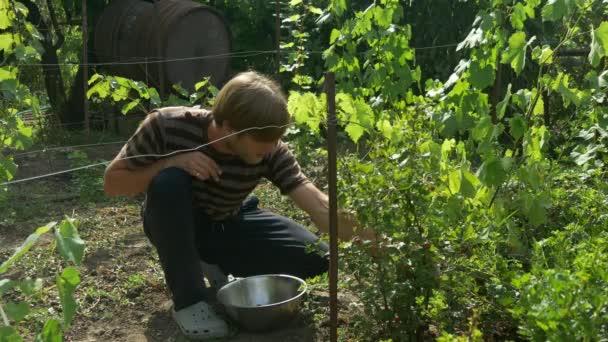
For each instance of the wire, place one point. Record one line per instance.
(436, 46)
(240, 54)
(139, 156)
(69, 147)
(164, 60)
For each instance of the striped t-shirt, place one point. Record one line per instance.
(176, 128)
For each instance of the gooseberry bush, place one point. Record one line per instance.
(487, 190)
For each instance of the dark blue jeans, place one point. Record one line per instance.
(253, 242)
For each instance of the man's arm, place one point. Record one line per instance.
(316, 203)
(119, 179)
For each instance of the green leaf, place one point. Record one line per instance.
(492, 172)
(66, 284)
(483, 129)
(102, 89)
(315, 10)
(539, 107)
(51, 332)
(385, 128)
(602, 80)
(292, 18)
(154, 97)
(129, 106)
(454, 180)
(474, 38)
(302, 107)
(27, 244)
(9, 334)
(517, 126)
(515, 54)
(535, 207)
(463, 182)
(561, 86)
(599, 43)
(519, 14)
(6, 17)
(29, 285)
(5, 285)
(355, 131)
(95, 78)
(7, 74)
(70, 246)
(468, 184)
(295, 2)
(26, 54)
(383, 16)
(22, 138)
(584, 154)
(7, 169)
(501, 107)
(6, 43)
(335, 34)
(17, 311)
(543, 55)
(481, 76)
(201, 84)
(556, 9)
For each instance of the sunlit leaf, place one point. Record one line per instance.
(69, 244)
(51, 332)
(6, 43)
(66, 284)
(129, 106)
(543, 55)
(515, 54)
(27, 244)
(599, 43)
(335, 34)
(7, 74)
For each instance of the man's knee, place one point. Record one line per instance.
(170, 184)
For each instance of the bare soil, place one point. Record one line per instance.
(122, 296)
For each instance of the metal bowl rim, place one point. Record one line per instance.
(225, 287)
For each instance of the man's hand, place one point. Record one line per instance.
(314, 202)
(197, 164)
(347, 224)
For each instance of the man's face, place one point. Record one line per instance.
(250, 150)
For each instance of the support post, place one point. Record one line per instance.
(330, 88)
(85, 65)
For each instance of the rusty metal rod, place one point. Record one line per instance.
(277, 23)
(330, 88)
(85, 65)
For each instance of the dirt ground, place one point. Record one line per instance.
(122, 296)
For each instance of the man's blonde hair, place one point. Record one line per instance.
(251, 99)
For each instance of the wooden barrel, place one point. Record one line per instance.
(183, 42)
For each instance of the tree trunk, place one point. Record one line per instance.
(50, 69)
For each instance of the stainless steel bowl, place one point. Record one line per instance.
(263, 302)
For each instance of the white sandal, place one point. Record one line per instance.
(199, 321)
